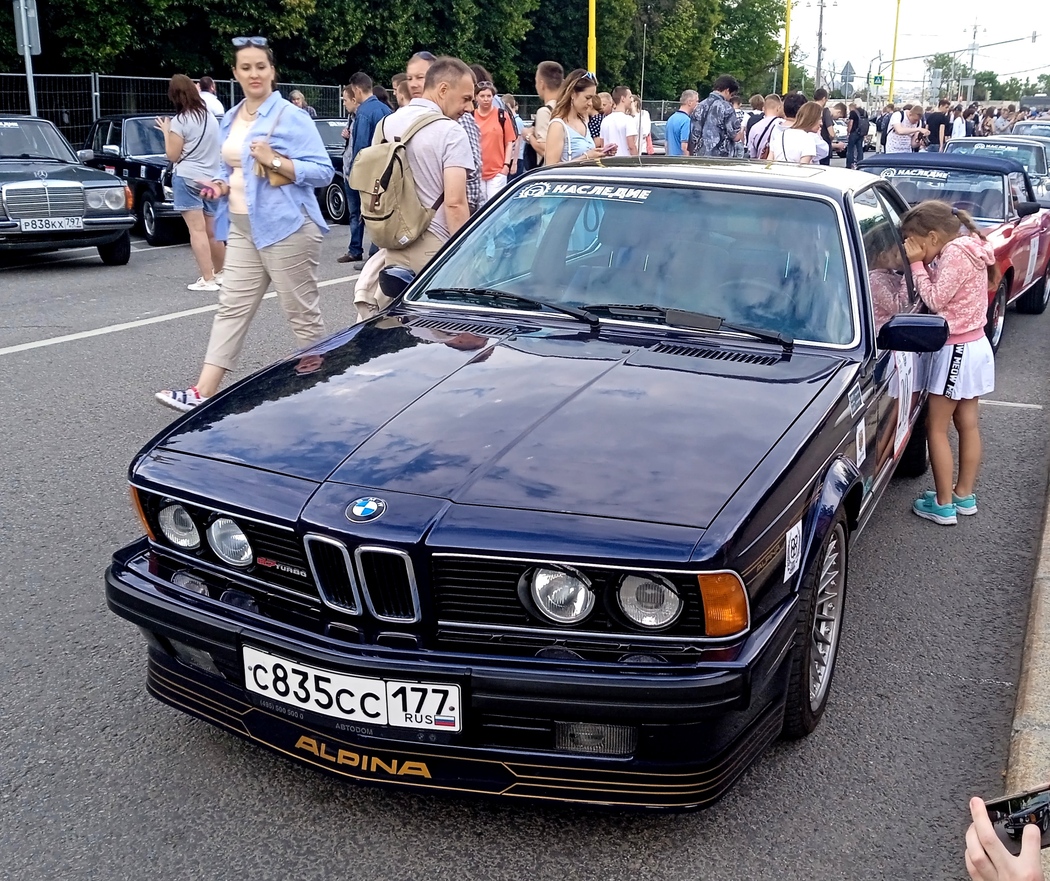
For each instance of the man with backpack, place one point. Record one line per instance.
(498, 138)
(858, 131)
(412, 209)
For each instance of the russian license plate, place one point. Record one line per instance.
(47, 224)
(359, 699)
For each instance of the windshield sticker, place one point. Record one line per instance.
(995, 148)
(588, 191)
(793, 550)
(8, 125)
(928, 173)
(862, 444)
(856, 399)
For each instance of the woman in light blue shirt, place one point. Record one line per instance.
(272, 160)
(568, 137)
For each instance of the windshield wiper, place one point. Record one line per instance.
(507, 297)
(696, 320)
(33, 156)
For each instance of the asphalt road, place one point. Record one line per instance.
(99, 781)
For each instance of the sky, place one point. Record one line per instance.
(857, 30)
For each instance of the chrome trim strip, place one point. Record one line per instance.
(175, 498)
(409, 571)
(324, 539)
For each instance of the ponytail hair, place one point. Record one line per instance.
(937, 216)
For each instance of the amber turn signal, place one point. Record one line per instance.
(129, 199)
(726, 610)
(136, 503)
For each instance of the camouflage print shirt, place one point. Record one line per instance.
(713, 128)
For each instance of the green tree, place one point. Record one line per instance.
(986, 84)
(747, 43)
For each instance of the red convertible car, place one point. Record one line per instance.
(999, 195)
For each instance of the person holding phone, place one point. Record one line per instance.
(987, 858)
(568, 136)
(273, 159)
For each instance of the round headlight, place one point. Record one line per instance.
(564, 597)
(229, 542)
(115, 198)
(649, 600)
(95, 198)
(178, 527)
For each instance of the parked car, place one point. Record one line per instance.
(49, 200)
(560, 523)
(1036, 811)
(659, 134)
(841, 137)
(1026, 127)
(333, 197)
(999, 195)
(132, 147)
(1033, 153)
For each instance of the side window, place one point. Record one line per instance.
(115, 131)
(99, 137)
(889, 280)
(1018, 192)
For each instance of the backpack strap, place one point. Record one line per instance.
(423, 121)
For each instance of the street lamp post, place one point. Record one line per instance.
(592, 39)
(787, 44)
(893, 65)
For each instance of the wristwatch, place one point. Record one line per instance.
(275, 163)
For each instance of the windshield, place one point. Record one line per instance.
(770, 262)
(143, 138)
(1026, 154)
(33, 139)
(331, 132)
(1041, 128)
(980, 193)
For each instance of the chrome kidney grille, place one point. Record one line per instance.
(384, 581)
(34, 200)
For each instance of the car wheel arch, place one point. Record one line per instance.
(841, 488)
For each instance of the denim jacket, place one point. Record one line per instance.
(277, 212)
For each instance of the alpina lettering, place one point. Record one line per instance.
(372, 764)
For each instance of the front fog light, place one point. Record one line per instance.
(594, 738)
(178, 527)
(229, 542)
(649, 600)
(563, 596)
(188, 581)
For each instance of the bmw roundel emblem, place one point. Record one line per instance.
(362, 510)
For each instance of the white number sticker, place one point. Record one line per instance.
(793, 550)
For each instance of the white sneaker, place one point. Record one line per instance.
(201, 285)
(217, 278)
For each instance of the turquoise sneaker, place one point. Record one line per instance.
(928, 509)
(965, 506)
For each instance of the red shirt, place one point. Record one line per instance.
(494, 141)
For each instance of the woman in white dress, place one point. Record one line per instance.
(797, 143)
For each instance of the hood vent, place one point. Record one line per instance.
(463, 327)
(714, 354)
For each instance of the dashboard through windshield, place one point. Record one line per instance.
(32, 139)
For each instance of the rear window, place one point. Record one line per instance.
(979, 193)
(774, 262)
(331, 131)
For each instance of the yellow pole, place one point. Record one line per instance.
(787, 48)
(592, 39)
(893, 64)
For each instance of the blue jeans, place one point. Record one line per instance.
(357, 225)
(854, 150)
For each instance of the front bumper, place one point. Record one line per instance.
(697, 731)
(96, 231)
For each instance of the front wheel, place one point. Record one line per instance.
(335, 203)
(821, 594)
(1034, 300)
(155, 230)
(997, 317)
(116, 253)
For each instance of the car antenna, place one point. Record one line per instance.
(641, 85)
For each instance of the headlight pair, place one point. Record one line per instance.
(112, 198)
(566, 596)
(225, 537)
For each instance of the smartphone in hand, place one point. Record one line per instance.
(1010, 814)
(609, 150)
(208, 190)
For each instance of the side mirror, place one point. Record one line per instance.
(913, 333)
(1024, 209)
(85, 156)
(393, 280)
(111, 150)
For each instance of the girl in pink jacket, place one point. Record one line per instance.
(964, 370)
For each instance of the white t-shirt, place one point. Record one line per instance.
(792, 144)
(616, 127)
(958, 128)
(647, 128)
(213, 104)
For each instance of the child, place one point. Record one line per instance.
(964, 369)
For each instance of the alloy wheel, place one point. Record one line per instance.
(827, 616)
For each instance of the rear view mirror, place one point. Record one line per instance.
(913, 333)
(393, 280)
(1026, 208)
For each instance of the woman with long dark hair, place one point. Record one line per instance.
(272, 160)
(191, 141)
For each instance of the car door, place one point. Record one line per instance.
(895, 376)
(1025, 240)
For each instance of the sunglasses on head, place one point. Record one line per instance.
(485, 84)
(257, 42)
(590, 76)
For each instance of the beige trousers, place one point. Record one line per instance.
(290, 264)
(416, 255)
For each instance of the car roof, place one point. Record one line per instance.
(1005, 140)
(950, 161)
(822, 180)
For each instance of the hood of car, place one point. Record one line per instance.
(544, 421)
(16, 170)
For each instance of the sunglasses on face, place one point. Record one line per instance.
(257, 42)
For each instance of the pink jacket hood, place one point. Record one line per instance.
(977, 249)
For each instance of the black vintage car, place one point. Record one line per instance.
(571, 519)
(132, 148)
(48, 200)
(1035, 811)
(333, 197)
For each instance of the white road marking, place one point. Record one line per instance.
(142, 322)
(88, 256)
(1013, 404)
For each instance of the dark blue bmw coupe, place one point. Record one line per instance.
(569, 519)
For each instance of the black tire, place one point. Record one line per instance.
(116, 253)
(334, 203)
(915, 460)
(156, 231)
(997, 317)
(1044, 822)
(820, 596)
(1034, 300)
